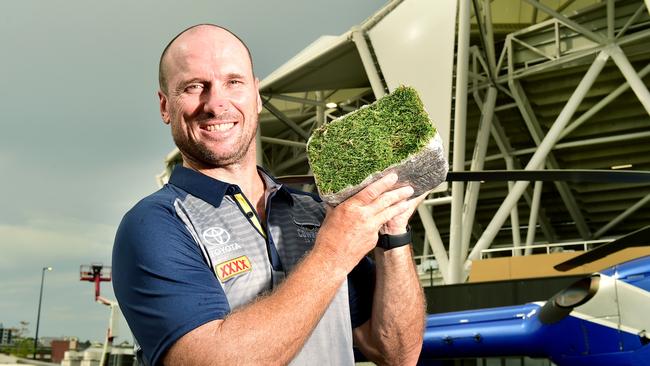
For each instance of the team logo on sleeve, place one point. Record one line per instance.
(233, 267)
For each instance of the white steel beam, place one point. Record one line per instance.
(290, 98)
(542, 152)
(504, 145)
(460, 120)
(566, 21)
(601, 104)
(610, 19)
(632, 209)
(631, 76)
(560, 9)
(480, 149)
(499, 136)
(537, 134)
(532, 220)
(631, 20)
(567, 145)
(514, 214)
(437, 201)
(433, 236)
(272, 140)
(489, 37)
(286, 120)
(359, 38)
(565, 59)
(290, 163)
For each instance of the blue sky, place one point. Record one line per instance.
(82, 140)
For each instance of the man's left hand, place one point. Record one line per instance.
(397, 225)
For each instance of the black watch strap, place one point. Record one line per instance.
(388, 242)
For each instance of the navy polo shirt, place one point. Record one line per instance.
(195, 250)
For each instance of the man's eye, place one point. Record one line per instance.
(235, 82)
(193, 88)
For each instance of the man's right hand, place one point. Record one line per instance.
(350, 230)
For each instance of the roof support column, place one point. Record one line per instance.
(532, 220)
(540, 155)
(359, 38)
(433, 237)
(478, 160)
(460, 116)
(514, 213)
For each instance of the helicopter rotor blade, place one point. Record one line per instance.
(573, 175)
(637, 238)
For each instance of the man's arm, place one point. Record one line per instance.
(274, 328)
(393, 335)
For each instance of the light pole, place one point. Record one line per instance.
(38, 316)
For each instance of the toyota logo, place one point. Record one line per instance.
(216, 235)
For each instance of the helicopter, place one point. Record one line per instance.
(600, 319)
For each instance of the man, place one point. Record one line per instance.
(224, 265)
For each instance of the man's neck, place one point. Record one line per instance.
(243, 174)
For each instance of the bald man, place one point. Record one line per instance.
(224, 265)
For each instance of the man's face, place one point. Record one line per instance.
(212, 99)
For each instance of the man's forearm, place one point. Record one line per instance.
(398, 311)
(271, 330)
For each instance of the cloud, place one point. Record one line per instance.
(48, 240)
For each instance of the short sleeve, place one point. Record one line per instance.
(161, 280)
(361, 289)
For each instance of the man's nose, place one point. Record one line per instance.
(215, 101)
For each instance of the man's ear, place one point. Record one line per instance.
(164, 107)
(259, 98)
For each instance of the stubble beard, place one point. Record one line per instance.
(201, 155)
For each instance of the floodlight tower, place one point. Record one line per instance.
(98, 273)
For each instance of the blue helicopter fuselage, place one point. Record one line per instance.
(607, 328)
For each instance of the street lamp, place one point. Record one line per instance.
(38, 317)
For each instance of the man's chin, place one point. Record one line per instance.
(212, 159)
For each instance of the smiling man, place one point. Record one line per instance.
(224, 265)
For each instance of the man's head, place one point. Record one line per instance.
(209, 95)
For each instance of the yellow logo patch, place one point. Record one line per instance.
(233, 267)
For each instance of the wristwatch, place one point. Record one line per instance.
(388, 242)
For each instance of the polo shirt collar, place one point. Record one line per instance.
(213, 190)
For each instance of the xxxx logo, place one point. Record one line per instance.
(233, 267)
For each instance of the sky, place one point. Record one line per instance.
(81, 138)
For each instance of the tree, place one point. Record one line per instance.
(23, 347)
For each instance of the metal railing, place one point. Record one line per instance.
(548, 247)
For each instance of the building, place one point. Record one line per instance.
(7, 335)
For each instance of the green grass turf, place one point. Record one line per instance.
(347, 150)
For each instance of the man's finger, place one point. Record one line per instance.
(390, 198)
(375, 189)
(395, 210)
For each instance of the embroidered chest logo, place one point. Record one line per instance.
(216, 236)
(307, 231)
(234, 267)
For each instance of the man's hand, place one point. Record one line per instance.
(397, 225)
(350, 230)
